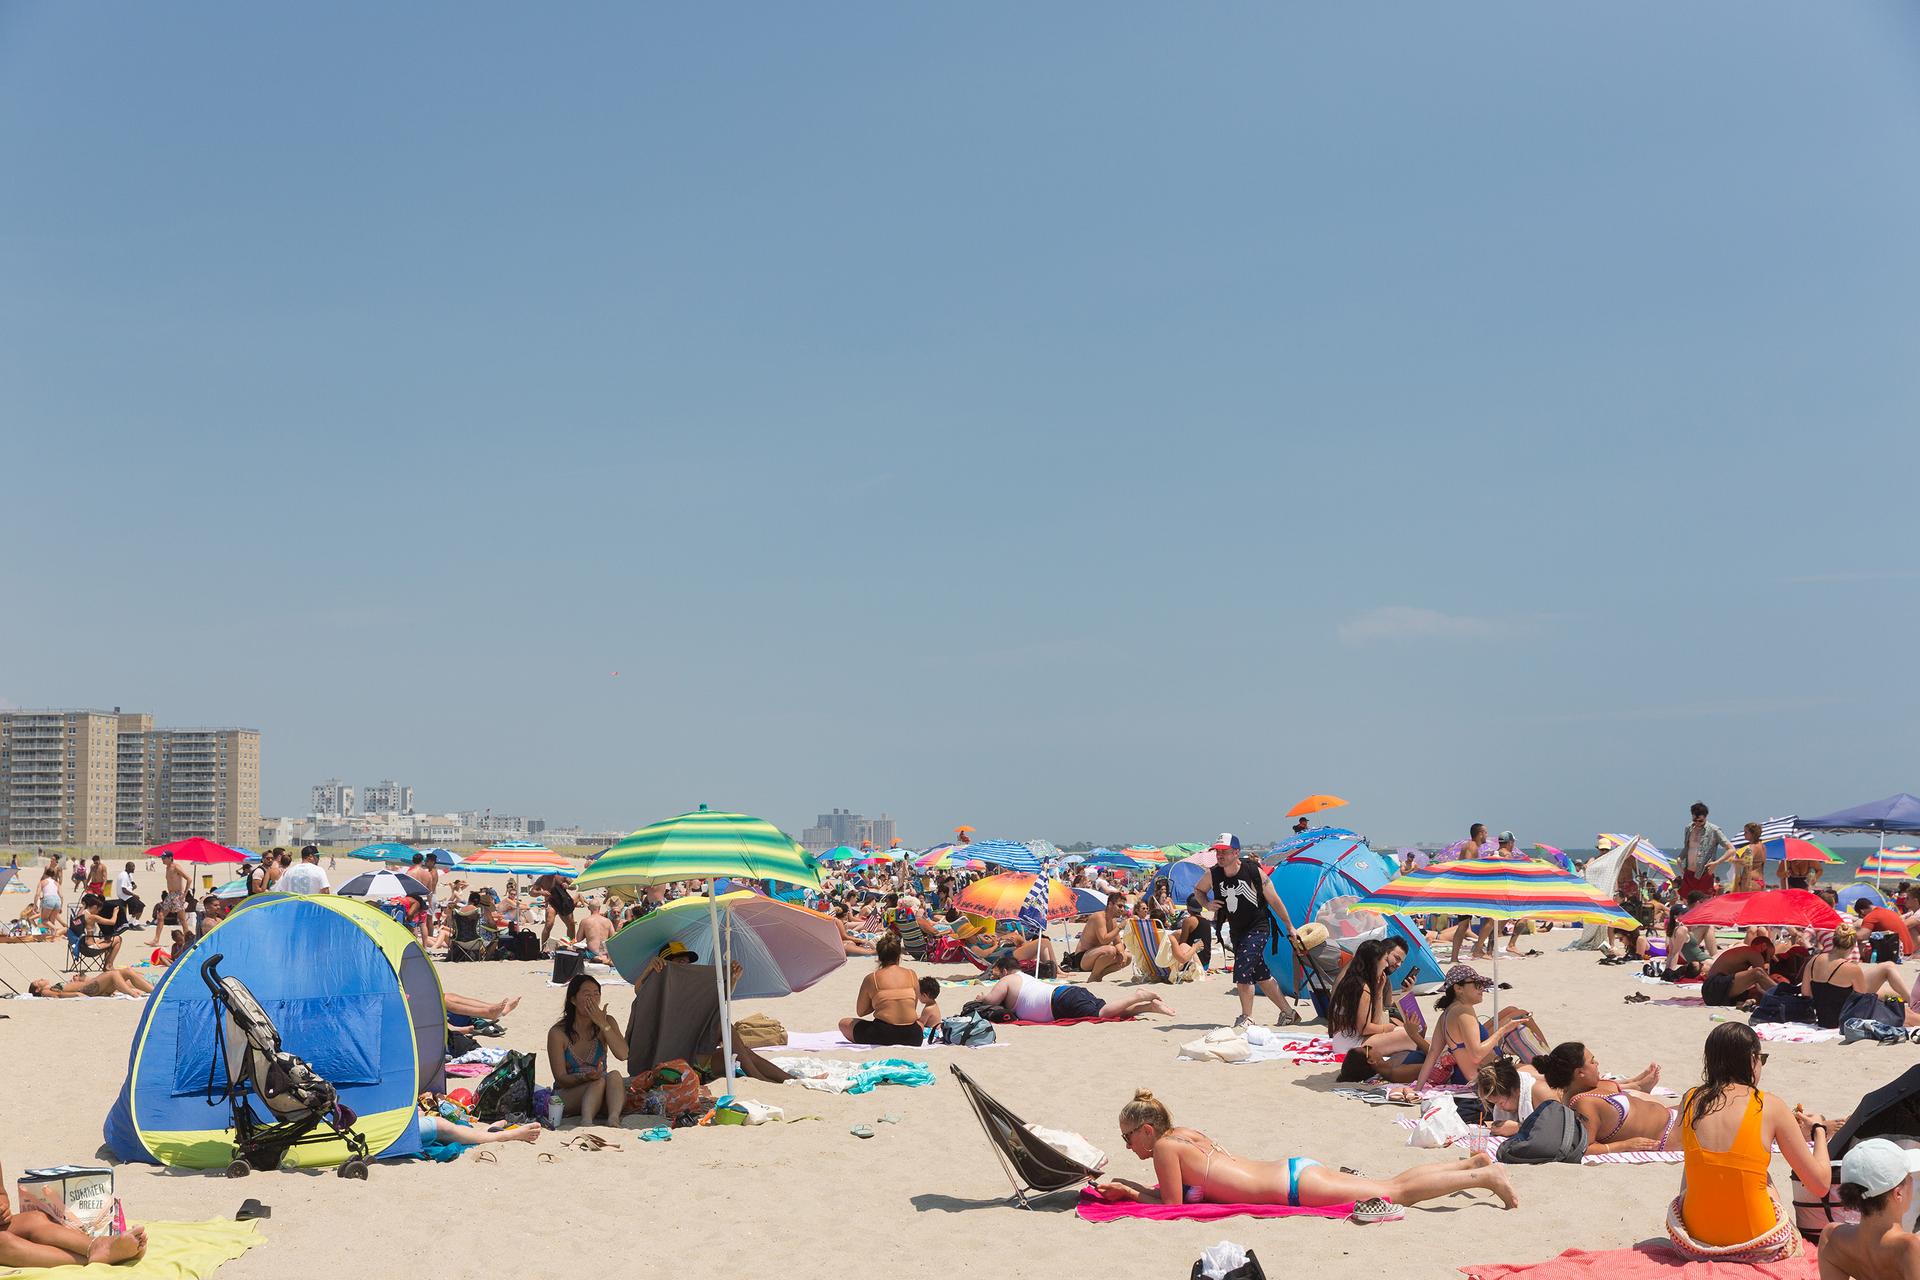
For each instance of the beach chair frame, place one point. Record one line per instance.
(1036, 1168)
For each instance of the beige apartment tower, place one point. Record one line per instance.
(72, 778)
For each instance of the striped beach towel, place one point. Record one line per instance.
(1492, 1147)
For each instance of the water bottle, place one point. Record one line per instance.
(554, 1105)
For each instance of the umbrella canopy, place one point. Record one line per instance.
(1088, 901)
(1794, 849)
(382, 884)
(1175, 852)
(1558, 857)
(953, 859)
(1897, 813)
(780, 948)
(196, 849)
(1642, 851)
(1306, 840)
(1765, 909)
(1144, 853)
(1118, 861)
(441, 857)
(1010, 854)
(236, 888)
(841, 853)
(1001, 897)
(701, 846)
(1847, 895)
(388, 851)
(1498, 888)
(507, 862)
(1314, 804)
(1901, 862)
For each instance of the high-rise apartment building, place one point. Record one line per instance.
(385, 796)
(107, 777)
(843, 826)
(332, 799)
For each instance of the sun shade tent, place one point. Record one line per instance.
(350, 992)
(1313, 879)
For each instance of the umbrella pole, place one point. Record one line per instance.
(1495, 953)
(1877, 858)
(720, 984)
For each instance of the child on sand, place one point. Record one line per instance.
(929, 1003)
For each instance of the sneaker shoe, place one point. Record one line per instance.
(1288, 1018)
(1376, 1210)
(1242, 1021)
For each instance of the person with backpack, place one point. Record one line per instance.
(1253, 907)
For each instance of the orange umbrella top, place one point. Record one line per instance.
(1314, 804)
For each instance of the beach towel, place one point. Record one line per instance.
(830, 1042)
(1492, 1144)
(1094, 1209)
(834, 1075)
(1652, 1260)
(1065, 1022)
(1259, 1044)
(175, 1251)
(1794, 1032)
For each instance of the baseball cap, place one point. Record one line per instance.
(1464, 973)
(1877, 1166)
(1226, 841)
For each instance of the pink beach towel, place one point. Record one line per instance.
(1064, 1022)
(1650, 1260)
(1094, 1209)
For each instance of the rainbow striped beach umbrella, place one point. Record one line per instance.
(1643, 852)
(520, 858)
(1001, 897)
(1900, 862)
(1499, 889)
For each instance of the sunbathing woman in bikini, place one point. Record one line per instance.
(1193, 1169)
(1620, 1115)
(111, 982)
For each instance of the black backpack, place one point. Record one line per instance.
(1552, 1134)
(506, 1093)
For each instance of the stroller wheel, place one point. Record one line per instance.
(354, 1168)
(239, 1168)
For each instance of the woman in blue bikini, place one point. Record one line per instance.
(1193, 1169)
(577, 1049)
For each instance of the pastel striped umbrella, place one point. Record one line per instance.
(1643, 852)
(843, 853)
(1001, 897)
(1010, 854)
(520, 858)
(1500, 889)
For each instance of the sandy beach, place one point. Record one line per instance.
(805, 1198)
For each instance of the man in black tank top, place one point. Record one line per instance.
(1252, 906)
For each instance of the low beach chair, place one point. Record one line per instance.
(84, 955)
(913, 939)
(1035, 1167)
(1523, 1044)
(1317, 986)
(1151, 951)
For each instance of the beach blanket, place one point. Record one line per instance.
(833, 1075)
(1094, 1209)
(1492, 1147)
(1065, 1022)
(1651, 1260)
(175, 1251)
(830, 1041)
(487, 1055)
(1795, 1032)
(1259, 1044)
(1647, 981)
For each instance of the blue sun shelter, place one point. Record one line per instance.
(349, 990)
(1319, 882)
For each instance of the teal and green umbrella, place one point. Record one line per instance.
(703, 846)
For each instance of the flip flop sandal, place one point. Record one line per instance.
(252, 1209)
(1638, 997)
(861, 1131)
(888, 1119)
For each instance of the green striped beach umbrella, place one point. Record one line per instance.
(703, 846)
(706, 846)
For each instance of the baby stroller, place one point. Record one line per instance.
(304, 1107)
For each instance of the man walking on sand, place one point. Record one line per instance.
(1701, 845)
(1252, 905)
(173, 901)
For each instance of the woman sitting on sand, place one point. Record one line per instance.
(1193, 1169)
(1031, 1000)
(577, 1049)
(887, 1006)
(1461, 1045)
(1727, 1209)
(1843, 989)
(1360, 1010)
(31, 1239)
(110, 982)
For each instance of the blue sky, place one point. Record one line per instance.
(1110, 421)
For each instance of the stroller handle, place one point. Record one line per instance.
(210, 973)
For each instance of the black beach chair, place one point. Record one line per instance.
(84, 954)
(1035, 1167)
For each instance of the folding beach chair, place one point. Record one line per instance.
(1148, 946)
(1034, 1166)
(1523, 1044)
(1318, 986)
(83, 954)
(913, 939)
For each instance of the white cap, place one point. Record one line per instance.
(1227, 840)
(1877, 1166)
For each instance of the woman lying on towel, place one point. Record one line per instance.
(1031, 1000)
(1620, 1117)
(1727, 1209)
(1194, 1169)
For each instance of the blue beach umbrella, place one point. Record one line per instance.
(387, 851)
(1118, 861)
(1009, 854)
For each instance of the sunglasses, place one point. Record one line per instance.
(1761, 1058)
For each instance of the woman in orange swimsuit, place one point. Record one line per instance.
(1727, 1209)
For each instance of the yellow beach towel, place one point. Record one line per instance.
(175, 1251)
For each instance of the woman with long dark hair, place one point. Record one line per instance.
(1360, 1010)
(577, 1049)
(1727, 1208)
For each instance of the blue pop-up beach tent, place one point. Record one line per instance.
(349, 991)
(1312, 876)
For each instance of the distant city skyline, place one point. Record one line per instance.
(1055, 424)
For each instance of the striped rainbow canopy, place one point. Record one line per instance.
(1499, 888)
(845, 853)
(1001, 897)
(701, 846)
(520, 858)
(1643, 852)
(1891, 862)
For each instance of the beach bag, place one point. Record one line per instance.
(1439, 1124)
(1552, 1134)
(673, 1090)
(968, 1030)
(759, 1031)
(566, 966)
(522, 944)
(1227, 1261)
(1784, 1004)
(991, 1012)
(1813, 1214)
(506, 1092)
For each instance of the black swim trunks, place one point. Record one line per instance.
(1074, 1001)
(873, 1031)
(1250, 956)
(1717, 989)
